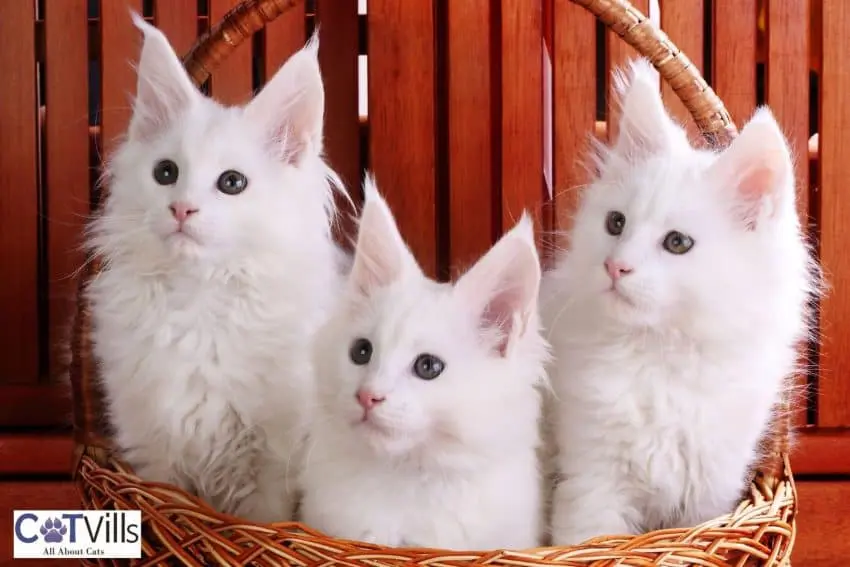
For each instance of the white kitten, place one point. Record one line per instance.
(428, 410)
(219, 266)
(674, 318)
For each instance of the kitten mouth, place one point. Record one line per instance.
(618, 295)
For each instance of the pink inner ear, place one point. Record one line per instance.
(752, 188)
(498, 315)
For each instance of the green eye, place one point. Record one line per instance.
(615, 222)
(677, 243)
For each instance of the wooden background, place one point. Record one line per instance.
(463, 130)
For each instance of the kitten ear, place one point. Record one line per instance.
(291, 106)
(502, 287)
(644, 126)
(164, 90)
(758, 168)
(381, 257)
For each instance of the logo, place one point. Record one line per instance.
(82, 534)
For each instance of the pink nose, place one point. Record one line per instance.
(368, 399)
(616, 269)
(181, 210)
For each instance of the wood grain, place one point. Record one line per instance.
(574, 78)
(178, 20)
(67, 182)
(338, 57)
(682, 21)
(30, 454)
(619, 54)
(822, 452)
(734, 57)
(470, 131)
(402, 119)
(232, 81)
(34, 495)
(18, 195)
(834, 380)
(35, 405)
(522, 111)
(118, 82)
(823, 523)
(284, 36)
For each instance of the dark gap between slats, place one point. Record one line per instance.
(601, 71)
(441, 139)
(147, 8)
(203, 27)
(496, 117)
(95, 103)
(814, 231)
(707, 42)
(258, 60)
(42, 269)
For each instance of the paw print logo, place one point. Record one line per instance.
(52, 530)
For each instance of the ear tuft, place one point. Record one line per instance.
(290, 108)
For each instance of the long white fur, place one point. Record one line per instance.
(447, 463)
(660, 404)
(203, 342)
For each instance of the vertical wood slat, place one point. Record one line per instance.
(402, 119)
(575, 103)
(522, 111)
(682, 21)
(734, 57)
(470, 131)
(67, 161)
(284, 36)
(619, 54)
(834, 380)
(18, 195)
(338, 58)
(120, 48)
(788, 97)
(232, 81)
(178, 20)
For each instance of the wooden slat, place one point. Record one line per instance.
(402, 118)
(178, 20)
(575, 103)
(285, 36)
(734, 57)
(231, 83)
(682, 21)
(522, 111)
(471, 189)
(18, 195)
(339, 31)
(32, 454)
(823, 523)
(33, 495)
(67, 155)
(834, 380)
(30, 405)
(122, 42)
(788, 97)
(822, 451)
(619, 53)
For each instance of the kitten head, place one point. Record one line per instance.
(671, 236)
(418, 367)
(195, 179)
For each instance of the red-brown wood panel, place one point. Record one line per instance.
(338, 57)
(619, 53)
(788, 97)
(284, 36)
(121, 42)
(522, 110)
(470, 129)
(34, 495)
(34, 405)
(823, 522)
(18, 195)
(822, 451)
(574, 76)
(402, 118)
(178, 20)
(67, 163)
(231, 83)
(682, 21)
(28, 454)
(734, 61)
(834, 380)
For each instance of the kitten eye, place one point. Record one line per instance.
(231, 182)
(360, 352)
(428, 366)
(165, 172)
(615, 222)
(677, 243)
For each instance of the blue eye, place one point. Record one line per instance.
(428, 366)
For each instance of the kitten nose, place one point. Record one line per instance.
(181, 210)
(368, 399)
(616, 269)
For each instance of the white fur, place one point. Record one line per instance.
(450, 462)
(662, 396)
(203, 340)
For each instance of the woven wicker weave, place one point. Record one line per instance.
(181, 529)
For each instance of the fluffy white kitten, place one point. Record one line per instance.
(428, 413)
(674, 318)
(219, 265)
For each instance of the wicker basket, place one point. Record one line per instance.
(181, 529)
